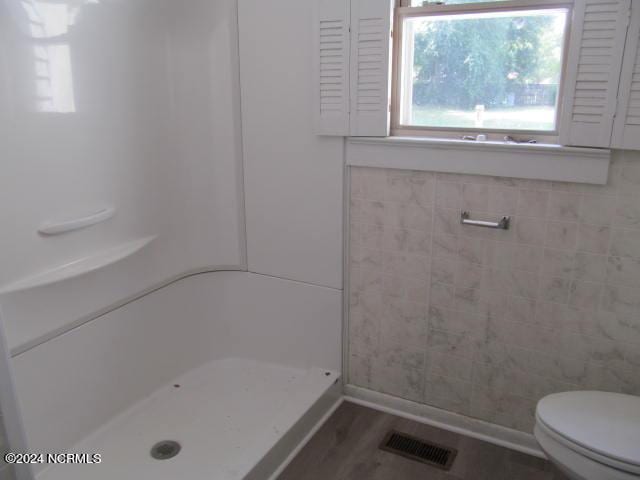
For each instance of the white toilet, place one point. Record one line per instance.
(591, 435)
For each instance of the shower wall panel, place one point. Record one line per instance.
(128, 108)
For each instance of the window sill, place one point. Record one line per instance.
(500, 159)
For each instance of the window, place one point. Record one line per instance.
(464, 66)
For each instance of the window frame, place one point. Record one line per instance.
(402, 10)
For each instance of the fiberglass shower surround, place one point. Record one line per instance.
(126, 273)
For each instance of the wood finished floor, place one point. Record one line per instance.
(346, 448)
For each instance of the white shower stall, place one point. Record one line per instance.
(153, 284)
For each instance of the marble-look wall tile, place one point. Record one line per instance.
(532, 203)
(564, 206)
(410, 187)
(471, 250)
(404, 323)
(621, 300)
(486, 322)
(504, 409)
(448, 392)
(623, 271)
(627, 211)
(361, 369)
(561, 235)
(530, 231)
(528, 258)
(500, 255)
(585, 295)
(519, 309)
(593, 239)
(475, 197)
(400, 373)
(447, 365)
(597, 209)
(625, 243)
(558, 263)
(403, 264)
(445, 246)
(446, 221)
(448, 195)
(590, 267)
(502, 200)
(554, 289)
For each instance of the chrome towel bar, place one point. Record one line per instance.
(503, 224)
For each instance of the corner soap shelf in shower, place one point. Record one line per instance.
(79, 267)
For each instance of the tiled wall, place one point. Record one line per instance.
(485, 322)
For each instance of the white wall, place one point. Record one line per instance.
(282, 321)
(152, 129)
(293, 179)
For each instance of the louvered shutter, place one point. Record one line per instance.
(594, 62)
(370, 67)
(331, 65)
(626, 130)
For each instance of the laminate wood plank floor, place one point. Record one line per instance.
(346, 448)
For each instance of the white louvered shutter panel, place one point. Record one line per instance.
(331, 65)
(626, 129)
(595, 58)
(370, 67)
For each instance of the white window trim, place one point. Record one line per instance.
(539, 162)
(403, 11)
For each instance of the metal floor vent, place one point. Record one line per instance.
(415, 449)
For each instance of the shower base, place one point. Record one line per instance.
(233, 418)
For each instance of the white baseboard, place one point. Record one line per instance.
(436, 417)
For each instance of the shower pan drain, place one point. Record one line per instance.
(415, 449)
(165, 449)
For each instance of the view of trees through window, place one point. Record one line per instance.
(495, 70)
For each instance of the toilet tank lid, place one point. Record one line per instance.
(606, 423)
